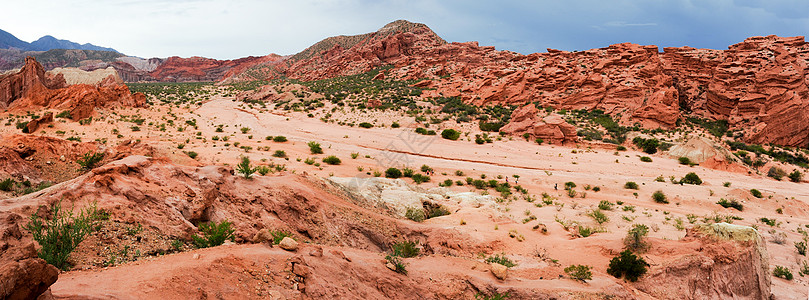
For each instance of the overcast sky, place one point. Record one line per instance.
(227, 29)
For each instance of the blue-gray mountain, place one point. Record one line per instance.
(45, 43)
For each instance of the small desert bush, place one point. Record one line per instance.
(730, 203)
(60, 235)
(782, 272)
(451, 134)
(579, 272)
(599, 216)
(691, 178)
(278, 235)
(245, 168)
(279, 139)
(7, 184)
(635, 239)
(795, 176)
(415, 214)
(366, 125)
(756, 193)
(90, 159)
(279, 154)
(398, 265)
(645, 159)
(628, 265)
(314, 148)
(407, 172)
(631, 185)
(500, 259)
(213, 234)
(393, 173)
(418, 178)
(684, 160)
(332, 160)
(605, 205)
(659, 197)
(405, 249)
(776, 173)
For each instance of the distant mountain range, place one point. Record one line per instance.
(45, 43)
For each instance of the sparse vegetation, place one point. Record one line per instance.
(60, 235)
(579, 272)
(451, 134)
(90, 159)
(314, 148)
(691, 178)
(213, 234)
(659, 197)
(244, 167)
(631, 185)
(628, 265)
(500, 259)
(731, 203)
(332, 160)
(756, 193)
(635, 239)
(393, 173)
(782, 272)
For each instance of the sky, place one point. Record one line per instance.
(228, 29)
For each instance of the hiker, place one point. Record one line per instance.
(556, 186)
(506, 179)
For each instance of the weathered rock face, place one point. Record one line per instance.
(23, 274)
(716, 261)
(176, 69)
(759, 85)
(551, 128)
(32, 87)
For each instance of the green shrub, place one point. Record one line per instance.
(782, 272)
(659, 197)
(756, 193)
(395, 125)
(90, 159)
(500, 259)
(605, 205)
(628, 265)
(263, 170)
(245, 129)
(332, 160)
(620, 148)
(776, 173)
(645, 159)
(631, 185)
(768, 221)
(245, 168)
(436, 211)
(279, 139)
(213, 234)
(691, 178)
(191, 154)
(314, 147)
(579, 272)
(447, 183)
(569, 185)
(393, 173)
(647, 145)
(366, 125)
(585, 231)
(795, 176)
(801, 246)
(415, 214)
(539, 141)
(684, 160)
(635, 239)
(398, 264)
(278, 235)
(494, 296)
(730, 203)
(280, 154)
(60, 235)
(405, 249)
(64, 115)
(407, 172)
(354, 155)
(418, 178)
(599, 216)
(6, 185)
(451, 134)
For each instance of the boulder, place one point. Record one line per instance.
(499, 271)
(289, 244)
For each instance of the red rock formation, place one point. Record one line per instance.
(717, 261)
(31, 88)
(759, 86)
(176, 69)
(550, 128)
(33, 125)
